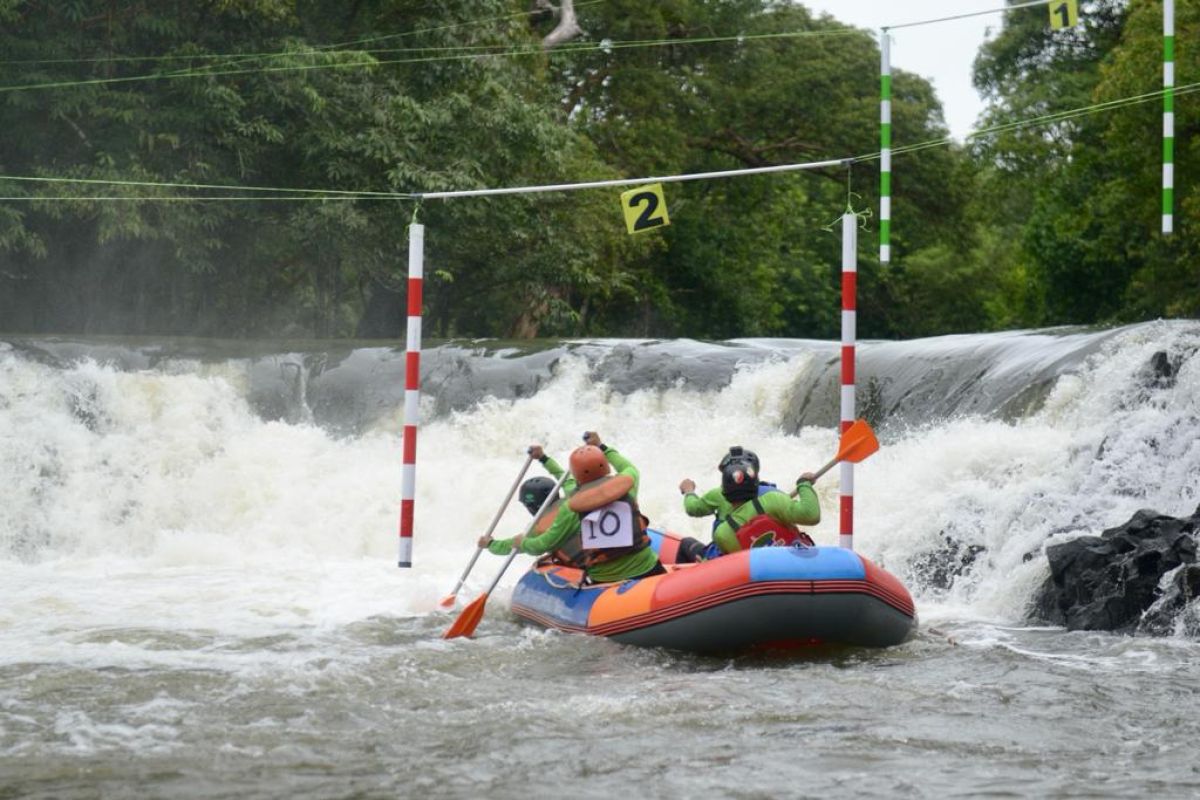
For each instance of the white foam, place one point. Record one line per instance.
(158, 500)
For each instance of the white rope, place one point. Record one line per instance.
(570, 187)
(971, 14)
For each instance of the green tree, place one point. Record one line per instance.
(283, 109)
(753, 256)
(1163, 272)
(1060, 194)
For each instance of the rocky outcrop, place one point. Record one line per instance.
(937, 570)
(1139, 577)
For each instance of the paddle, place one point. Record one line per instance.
(468, 620)
(448, 600)
(857, 443)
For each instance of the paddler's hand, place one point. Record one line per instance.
(516, 542)
(536, 451)
(592, 438)
(687, 485)
(484, 541)
(808, 476)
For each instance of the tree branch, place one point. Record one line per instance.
(83, 137)
(568, 25)
(753, 155)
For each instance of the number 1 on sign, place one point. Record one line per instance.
(1064, 14)
(645, 208)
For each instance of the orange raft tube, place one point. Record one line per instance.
(766, 597)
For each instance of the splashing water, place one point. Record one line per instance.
(158, 522)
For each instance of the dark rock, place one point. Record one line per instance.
(1109, 582)
(1162, 369)
(1174, 610)
(938, 569)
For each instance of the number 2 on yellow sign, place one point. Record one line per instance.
(645, 208)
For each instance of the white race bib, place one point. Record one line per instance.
(608, 526)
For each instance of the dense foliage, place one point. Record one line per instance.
(143, 102)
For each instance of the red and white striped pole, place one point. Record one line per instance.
(412, 389)
(849, 324)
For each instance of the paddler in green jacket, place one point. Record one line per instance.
(599, 528)
(746, 516)
(713, 501)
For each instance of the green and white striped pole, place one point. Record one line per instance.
(885, 148)
(1168, 171)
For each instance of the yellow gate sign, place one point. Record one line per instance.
(1064, 14)
(645, 209)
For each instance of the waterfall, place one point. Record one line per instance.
(262, 462)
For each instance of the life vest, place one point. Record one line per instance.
(763, 530)
(547, 518)
(610, 524)
(763, 488)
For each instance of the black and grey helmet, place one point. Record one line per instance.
(739, 480)
(534, 492)
(738, 453)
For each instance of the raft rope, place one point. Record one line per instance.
(566, 584)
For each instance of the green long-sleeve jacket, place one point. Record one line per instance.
(711, 502)
(567, 524)
(805, 509)
(556, 472)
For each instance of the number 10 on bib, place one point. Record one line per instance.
(608, 526)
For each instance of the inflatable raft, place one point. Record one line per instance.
(766, 597)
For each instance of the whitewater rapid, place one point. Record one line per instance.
(159, 496)
(198, 546)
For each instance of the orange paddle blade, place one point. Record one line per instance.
(468, 620)
(448, 601)
(857, 443)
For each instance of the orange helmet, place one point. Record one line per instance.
(588, 464)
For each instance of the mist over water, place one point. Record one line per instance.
(198, 545)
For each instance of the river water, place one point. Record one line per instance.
(199, 597)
